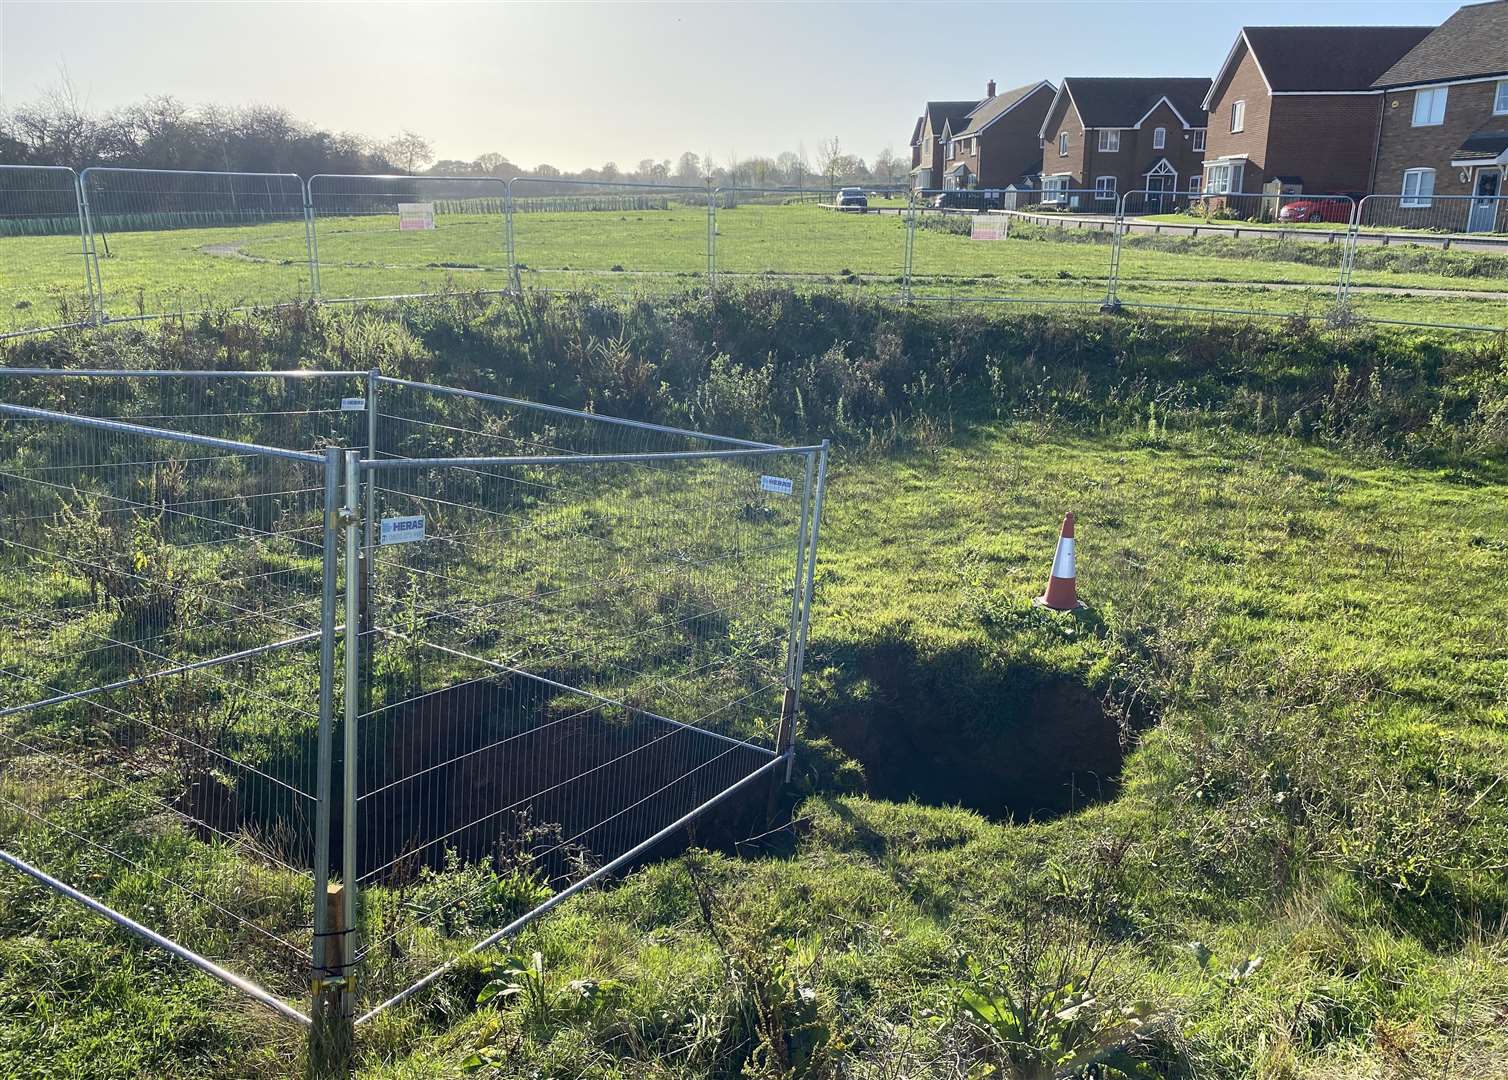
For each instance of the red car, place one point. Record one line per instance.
(1317, 209)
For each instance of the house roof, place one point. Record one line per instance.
(991, 109)
(1486, 145)
(916, 132)
(940, 112)
(1325, 59)
(1472, 42)
(1125, 103)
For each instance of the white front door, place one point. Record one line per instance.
(1485, 201)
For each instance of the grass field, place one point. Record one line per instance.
(1291, 544)
(654, 251)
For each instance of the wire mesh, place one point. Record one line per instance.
(45, 279)
(167, 242)
(596, 638)
(802, 237)
(589, 234)
(1453, 248)
(160, 621)
(379, 236)
(1052, 248)
(579, 652)
(1269, 253)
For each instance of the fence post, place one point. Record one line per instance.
(355, 619)
(330, 1033)
(1348, 253)
(78, 203)
(513, 277)
(909, 259)
(311, 241)
(1112, 302)
(806, 605)
(98, 291)
(712, 194)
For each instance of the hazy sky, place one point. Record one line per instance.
(576, 85)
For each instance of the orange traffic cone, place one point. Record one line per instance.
(1062, 594)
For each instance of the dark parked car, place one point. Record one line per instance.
(967, 200)
(1335, 208)
(852, 198)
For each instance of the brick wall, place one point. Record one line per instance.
(1008, 147)
(1244, 83)
(1065, 118)
(1468, 108)
(1326, 139)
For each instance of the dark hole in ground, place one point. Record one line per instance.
(947, 729)
(515, 771)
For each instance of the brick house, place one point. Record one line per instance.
(1295, 105)
(996, 145)
(927, 139)
(1444, 127)
(1104, 137)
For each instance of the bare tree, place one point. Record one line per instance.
(410, 151)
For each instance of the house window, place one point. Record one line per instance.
(1159, 138)
(1418, 188)
(1225, 177)
(1062, 144)
(1055, 189)
(1429, 107)
(1104, 188)
(1199, 140)
(1194, 185)
(949, 145)
(1237, 116)
(1500, 99)
(1110, 140)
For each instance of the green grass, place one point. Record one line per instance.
(655, 251)
(1290, 544)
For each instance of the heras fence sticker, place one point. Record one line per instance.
(778, 484)
(353, 404)
(402, 530)
(416, 215)
(984, 227)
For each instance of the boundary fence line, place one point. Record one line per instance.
(486, 225)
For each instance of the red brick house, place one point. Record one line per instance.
(1105, 137)
(1444, 127)
(996, 144)
(1295, 105)
(927, 139)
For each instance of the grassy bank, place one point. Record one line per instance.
(1290, 542)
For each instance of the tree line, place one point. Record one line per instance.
(162, 132)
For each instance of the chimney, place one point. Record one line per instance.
(989, 90)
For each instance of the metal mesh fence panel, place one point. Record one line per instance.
(576, 653)
(377, 236)
(565, 638)
(838, 237)
(174, 242)
(571, 234)
(1274, 254)
(161, 619)
(1429, 258)
(1051, 250)
(45, 277)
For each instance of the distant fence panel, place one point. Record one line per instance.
(168, 242)
(1272, 254)
(581, 234)
(378, 236)
(45, 277)
(1450, 249)
(1049, 251)
(778, 235)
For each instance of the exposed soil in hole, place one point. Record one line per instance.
(945, 730)
(513, 769)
